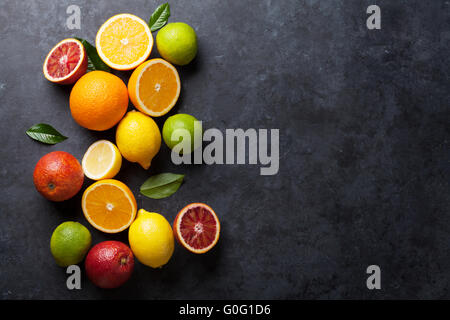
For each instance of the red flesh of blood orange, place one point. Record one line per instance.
(197, 228)
(66, 62)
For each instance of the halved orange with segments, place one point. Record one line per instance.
(124, 41)
(197, 228)
(154, 87)
(66, 62)
(109, 205)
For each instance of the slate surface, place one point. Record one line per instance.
(364, 150)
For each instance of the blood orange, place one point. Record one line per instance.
(197, 228)
(66, 62)
(58, 176)
(109, 264)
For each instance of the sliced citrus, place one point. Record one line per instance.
(66, 62)
(109, 205)
(102, 160)
(197, 228)
(154, 87)
(124, 41)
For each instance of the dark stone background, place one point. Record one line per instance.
(364, 150)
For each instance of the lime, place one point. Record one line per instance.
(177, 122)
(177, 43)
(69, 243)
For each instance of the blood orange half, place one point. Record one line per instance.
(66, 62)
(197, 228)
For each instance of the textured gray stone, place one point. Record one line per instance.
(364, 150)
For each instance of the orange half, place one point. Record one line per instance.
(66, 62)
(154, 87)
(197, 228)
(124, 41)
(109, 205)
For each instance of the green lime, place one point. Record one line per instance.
(69, 243)
(177, 43)
(177, 122)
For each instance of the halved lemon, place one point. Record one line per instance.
(109, 205)
(124, 41)
(102, 160)
(154, 87)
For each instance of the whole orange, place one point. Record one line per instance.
(98, 100)
(58, 176)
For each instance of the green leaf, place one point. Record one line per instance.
(94, 60)
(159, 17)
(161, 185)
(45, 133)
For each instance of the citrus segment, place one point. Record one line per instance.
(66, 62)
(109, 205)
(124, 41)
(154, 87)
(197, 228)
(102, 160)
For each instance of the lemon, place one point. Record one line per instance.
(102, 160)
(69, 243)
(151, 239)
(138, 138)
(177, 43)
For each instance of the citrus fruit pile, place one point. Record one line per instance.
(99, 101)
